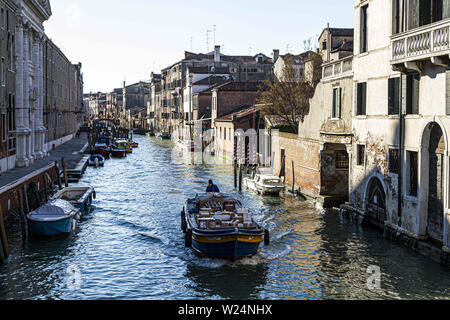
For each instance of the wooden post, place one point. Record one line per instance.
(3, 236)
(235, 174)
(45, 189)
(66, 183)
(58, 175)
(293, 177)
(25, 199)
(23, 217)
(240, 178)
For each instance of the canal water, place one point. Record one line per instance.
(131, 246)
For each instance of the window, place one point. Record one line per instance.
(342, 161)
(361, 99)
(224, 133)
(363, 29)
(3, 127)
(430, 11)
(412, 177)
(3, 71)
(394, 96)
(394, 161)
(324, 45)
(361, 154)
(3, 19)
(229, 134)
(412, 93)
(336, 109)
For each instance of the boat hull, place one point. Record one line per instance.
(53, 228)
(235, 246)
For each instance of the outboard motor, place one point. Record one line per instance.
(96, 162)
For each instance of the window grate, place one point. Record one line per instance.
(342, 160)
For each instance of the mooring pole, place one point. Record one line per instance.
(235, 174)
(63, 161)
(240, 178)
(293, 177)
(58, 174)
(25, 199)
(23, 218)
(3, 236)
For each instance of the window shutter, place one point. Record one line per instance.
(390, 96)
(416, 87)
(404, 93)
(333, 111)
(339, 109)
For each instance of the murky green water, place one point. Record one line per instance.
(131, 246)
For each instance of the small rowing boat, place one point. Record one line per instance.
(54, 218)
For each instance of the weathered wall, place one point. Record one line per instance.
(306, 157)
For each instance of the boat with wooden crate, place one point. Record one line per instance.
(218, 226)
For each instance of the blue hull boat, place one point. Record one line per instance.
(217, 226)
(54, 218)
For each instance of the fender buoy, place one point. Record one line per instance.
(95, 194)
(266, 237)
(183, 221)
(188, 239)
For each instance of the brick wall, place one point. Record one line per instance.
(306, 157)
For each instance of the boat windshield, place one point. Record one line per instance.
(272, 181)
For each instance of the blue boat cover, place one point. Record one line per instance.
(53, 211)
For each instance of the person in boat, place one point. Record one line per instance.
(212, 187)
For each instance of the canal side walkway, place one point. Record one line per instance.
(72, 151)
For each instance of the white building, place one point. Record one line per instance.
(29, 80)
(401, 120)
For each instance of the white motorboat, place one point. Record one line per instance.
(264, 183)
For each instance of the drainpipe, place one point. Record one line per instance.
(400, 174)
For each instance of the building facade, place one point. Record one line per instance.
(30, 44)
(62, 95)
(400, 159)
(8, 141)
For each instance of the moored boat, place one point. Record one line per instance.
(117, 152)
(264, 184)
(134, 144)
(54, 218)
(124, 144)
(81, 197)
(102, 149)
(217, 226)
(96, 160)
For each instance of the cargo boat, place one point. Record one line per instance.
(217, 226)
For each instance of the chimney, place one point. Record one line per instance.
(217, 54)
(275, 55)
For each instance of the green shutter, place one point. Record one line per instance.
(404, 93)
(339, 110)
(447, 85)
(416, 93)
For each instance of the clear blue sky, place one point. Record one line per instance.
(117, 40)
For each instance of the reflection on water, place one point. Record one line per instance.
(131, 246)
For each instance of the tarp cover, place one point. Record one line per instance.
(53, 211)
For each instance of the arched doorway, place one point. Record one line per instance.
(435, 217)
(376, 203)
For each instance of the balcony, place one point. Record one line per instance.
(337, 69)
(430, 42)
